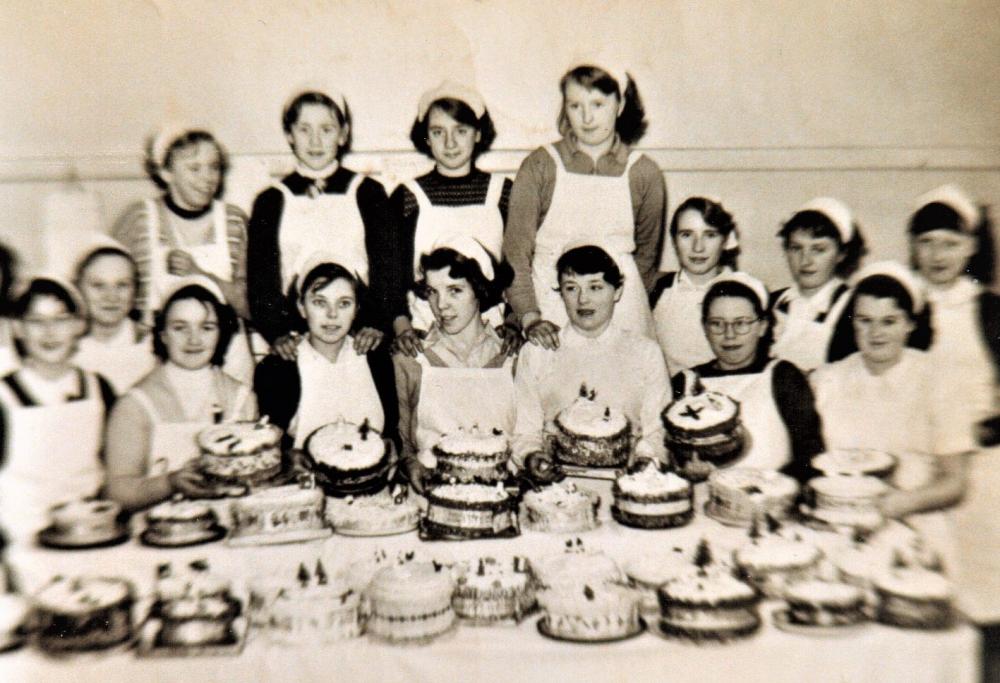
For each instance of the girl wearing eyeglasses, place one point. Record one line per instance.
(776, 403)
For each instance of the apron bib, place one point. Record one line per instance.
(597, 210)
(679, 332)
(52, 456)
(803, 341)
(122, 361)
(482, 222)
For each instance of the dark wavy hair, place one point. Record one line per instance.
(460, 267)
(190, 138)
(223, 312)
(715, 215)
(40, 287)
(89, 258)
(321, 276)
(738, 290)
(818, 224)
(939, 216)
(290, 116)
(461, 112)
(589, 260)
(631, 123)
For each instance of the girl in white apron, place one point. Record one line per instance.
(115, 345)
(782, 428)
(53, 413)
(952, 248)
(462, 380)
(329, 381)
(706, 240)
(320, 206)
(588, 187)
(886, 397)
(152, 431)
(453, 128)
(823, 246)
(189, 231)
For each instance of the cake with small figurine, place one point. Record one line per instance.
(473, 456)
(819, 602)
(390, 511)
(410, 601)
(771, 561)
(350, 459)
(577, 611)
(195, 607)
(282, 514)
(738, 495)
(491, 590)
(588, 433)
(246, 453)
(652, 498)
(703, 431)
(470, 511)
(83, 613)
(562, 507)
(310, 608)
(84, 522)
(180, 522)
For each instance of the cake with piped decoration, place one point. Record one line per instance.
(281, 514)
(311, 608)
(470, 511)
(652, 498)
(473, 456)
(491, 590)
(195, 607)
(351, 459)
(913, 596)
(577, 611)
(410, 602)
(851, 501)
(703, 431)
(562, 507)
(241, 452)
(771, 561)
(580, 563)
(179, 522)
(392, 510)
(589, 433)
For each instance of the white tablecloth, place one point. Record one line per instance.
(517, 653)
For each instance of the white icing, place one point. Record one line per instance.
(819, 592)
(587, 418)
(769, 482)
(379, 511)
(710, 409)
(181, 511)
(656, 569)
(852, 462)
(777, 552)
(914, 582)
(649, 481)
(840, 488)
(716, 586)
(675, 507)
(591, 567)
(84, 511)
(238, 438)
(475, 442)
(416, 583)
(340, 445)
(471, 493)
(496, 575)
(81, 595)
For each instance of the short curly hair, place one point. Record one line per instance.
(192, 137)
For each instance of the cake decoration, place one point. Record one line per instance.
(473, 456)
(350, 459)
(652, 498)
(589, 434)
(496, 590)
(562, 507)
(703, 430)
(737, 494)
(195, 608)
(457, 510)
(246, 453)
(283, 514)
(410, 602)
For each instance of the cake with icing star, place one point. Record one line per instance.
(703, 431)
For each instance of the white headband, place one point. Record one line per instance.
(470, 248)
(71, 290)
(311, 260)
(306, 88)
(755, 285)
(954, 198)
(616, 71)
(836, 211)
(898, 272)
(166, 136)
(194, 281)
(452, 90)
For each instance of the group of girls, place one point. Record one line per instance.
(451, 273)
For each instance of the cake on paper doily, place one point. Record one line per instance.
(390, 511)
(281, 514)
(473, 456)
(309, 608)
(815, 602)
(739, 494)
(651, 498)
(703, 431)
(470, 511)
(410, 601)
(241, 452)
(194, 606)
(490, 590)
(860, 462)
(86, 521)
(180, 521)
(353, 459)
(83, 613)
(851, 501)
(578, 611)
(770, 561)
(563, 507)
(588, 433)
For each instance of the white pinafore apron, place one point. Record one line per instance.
(677, 319)
(343, 390)
(597, 210)
(51, 456)
(328, 223)
(213, 258)
(768, 446)
(483, 222)
(461, 398)
(121, 360)
(804, 340)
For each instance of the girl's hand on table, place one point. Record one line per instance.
(367, 339)
(408, 343)
(287, 346)
(417, 474)
(179, 262)
(190, 481)
(543, 333)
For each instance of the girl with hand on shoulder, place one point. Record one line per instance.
(706, 242)
(823, 247)
(320, 206)
(590, 186)
(329, 380)
(51, 411)
(776, 403)
(453, 127)
(624, 369)
(463, 377)
(114, 345)
(152, 449)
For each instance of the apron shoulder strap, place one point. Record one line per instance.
(220, 222)
(433, 360)
(495, 190)
(837, 293)
(17, 390)
(423, 201)
(152, 222)
(352, 187)
(554, 153)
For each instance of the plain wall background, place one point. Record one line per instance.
(764, 104)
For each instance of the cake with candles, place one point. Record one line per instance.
(244, 453)
(589, 433)
(738, 495)
(703, 431)
(652, 498)
(490, 590)
(83, 613)
(194, 606)
(473, 456)
(311, 607)
(562, 507)
(410, 601)
(470, 511)
(350, 459)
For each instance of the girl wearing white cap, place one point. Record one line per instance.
(52, 412)
(320, 206)
(624, 369)
(886, 396)
(152, 450)
(114, 345)
(823, 247)
(590, 185)
(329, 380)
(453, 127)
(462, 357)
(776, 403)
(706, 240)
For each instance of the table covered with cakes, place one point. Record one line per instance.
(330, 566)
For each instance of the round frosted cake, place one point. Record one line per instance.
(579, 611)
(560, 508)
(914, 597)
(352, 458)
(241, 452)
(578, 564)
(410, 602)
(648, 571)
(739, 494)
(848, 501)
(855, 462)
(470, 511)
(86, 521)
(491, 590)
(708, 605)
(309, 608)
(473, 456)
(279, 515)
(772, 562)
(590, 434)
(194, 606)
(385, 512)
(86, 613)
(180, 521)
(824, 603)
(703, 431)
(652, 499)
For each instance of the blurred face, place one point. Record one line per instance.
(734, 331)
(812, 261)
(49, 331)
(590, 301)
(881, 329)
(108, 287)
(452, 301)
(316, 136)
(191, 333)
(452, 142)
(591, 114)
(193, 175)
(942, 255)
(698, 244)
(329, 311)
